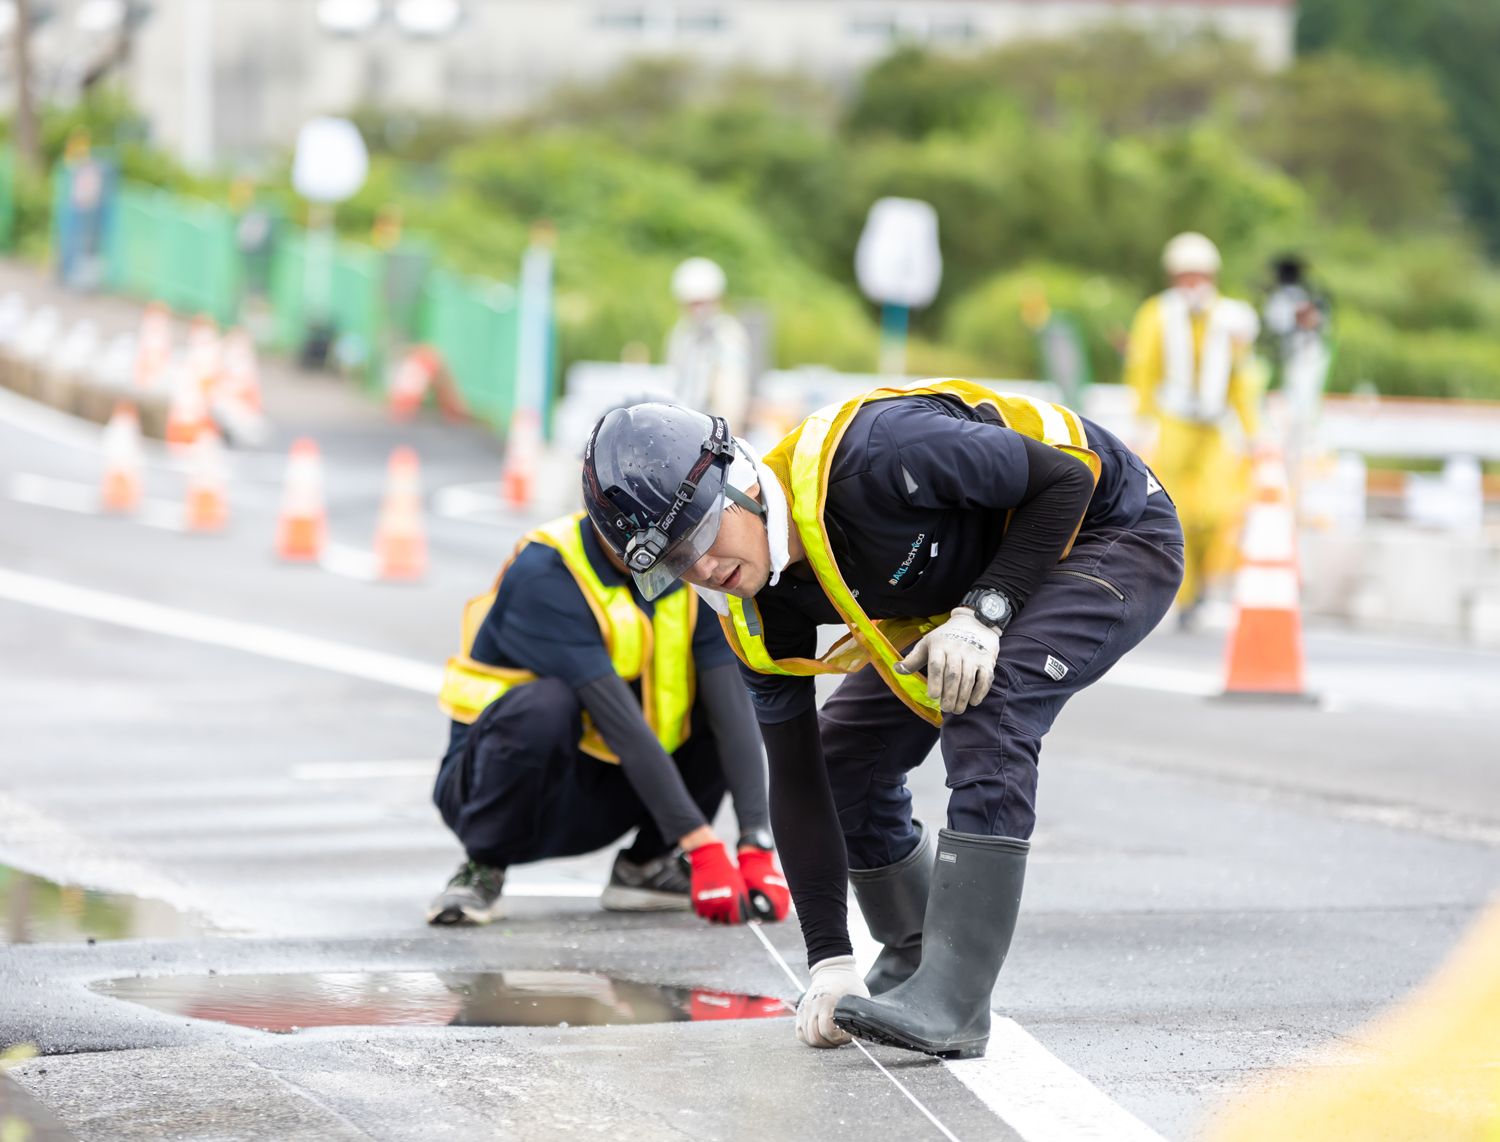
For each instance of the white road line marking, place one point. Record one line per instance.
(576, 889)
(866, 946)
(360, 770)
(162, 514)
(72, 496)
(1028, 1087)
(49, 423)
(1170, 679)
(350, 562)
(64, 495)
(472, 503)
(43, 846)
(1042, 1098)
(791, 975)
(287, 646)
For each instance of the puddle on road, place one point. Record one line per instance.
(38, 911)
(460, 999)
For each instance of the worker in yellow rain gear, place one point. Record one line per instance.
(1191, 364)
(581, 710)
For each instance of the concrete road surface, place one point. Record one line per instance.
(1215, 889)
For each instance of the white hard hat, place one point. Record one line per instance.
(1190, 253)
(698, 279)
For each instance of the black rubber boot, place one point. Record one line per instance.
(944, 1009)
(893, 900)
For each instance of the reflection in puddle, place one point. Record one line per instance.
(37, 911)
(460, 999)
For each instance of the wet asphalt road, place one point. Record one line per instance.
(1213, 891)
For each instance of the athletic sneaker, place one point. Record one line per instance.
(472, 896)
(660, 885)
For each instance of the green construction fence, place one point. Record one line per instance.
(7, 198)
(175, 249)
(184, 251)
(473, 323)
(357, 299)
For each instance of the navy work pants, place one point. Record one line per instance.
(1104, 598)
(519, 789)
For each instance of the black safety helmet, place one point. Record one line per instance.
(654, 481)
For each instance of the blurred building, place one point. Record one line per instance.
(228, 78)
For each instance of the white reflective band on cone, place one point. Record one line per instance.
(1271, 473)
(1266, 589)
(1268, 534)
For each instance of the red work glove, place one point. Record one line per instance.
(769, 896)
(717, 1005)
(718, 888)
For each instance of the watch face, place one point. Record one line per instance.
(991, 606)
(760, 838)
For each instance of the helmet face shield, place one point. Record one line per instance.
(654, 484)
(667, 568)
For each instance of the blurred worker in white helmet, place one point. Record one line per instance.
(708, 348)
(1190, 361)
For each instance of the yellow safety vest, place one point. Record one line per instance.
(802, 461)
(658, 650)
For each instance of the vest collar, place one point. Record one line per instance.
(596, 557)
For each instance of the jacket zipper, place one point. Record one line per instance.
(1105, 583)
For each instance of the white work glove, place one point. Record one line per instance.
(832, 979)
(960, 661)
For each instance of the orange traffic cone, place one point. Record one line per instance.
(518, 476)
(240, 373)
(203, 357)
(154, 348)
(187, 411)
(302, 528)
(120, 490)
(207, 505)
(411, 380)
(1264, 653)
(400, 543)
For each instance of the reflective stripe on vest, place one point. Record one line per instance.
(658, 651)
(806, 455)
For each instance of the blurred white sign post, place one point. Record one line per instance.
(900, 267)
(330, 166)
(533, 366)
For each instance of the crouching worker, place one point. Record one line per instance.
(1006, 548)
(582, 710)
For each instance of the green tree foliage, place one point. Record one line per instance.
(1058, 169)
(1458, 43)
(1124, 80)
(623, 222)
(997, 321)
(1367, 139)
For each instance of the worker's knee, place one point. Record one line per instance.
(539, 716)
(993, 777)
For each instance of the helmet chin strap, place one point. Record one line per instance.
(747, 470)
(744, 501)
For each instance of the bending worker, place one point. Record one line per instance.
(582, 710)
(1191, 366)
(930, 521)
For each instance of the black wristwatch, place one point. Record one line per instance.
(757, 839)
(991, 608)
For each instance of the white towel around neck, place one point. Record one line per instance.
(746, 470)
